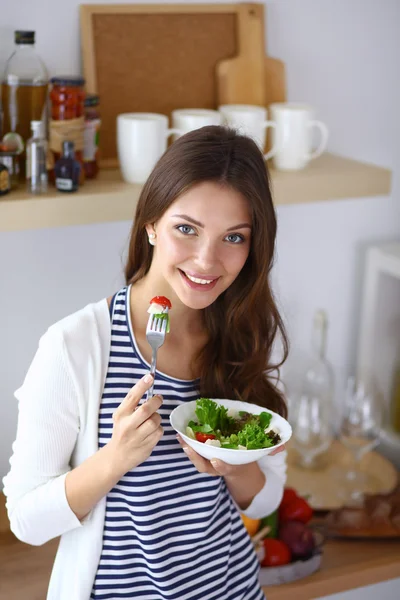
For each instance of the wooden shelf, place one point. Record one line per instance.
(108, 198)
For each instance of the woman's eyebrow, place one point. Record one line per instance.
(187, 218)
(240, 226)
(191, 220)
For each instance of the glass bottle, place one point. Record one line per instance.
(67, 169)
(23, 94)
(91, 136)
(36, 156)
(312, 422)
(317, 379)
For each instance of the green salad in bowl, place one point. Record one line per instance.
(224, 428)
(231, 430)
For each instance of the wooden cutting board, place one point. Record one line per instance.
(322, 486)
(275, 80)
(251, 77)
(241, 80)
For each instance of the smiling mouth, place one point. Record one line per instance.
(198, 280)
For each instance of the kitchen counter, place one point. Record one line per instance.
(346, 564)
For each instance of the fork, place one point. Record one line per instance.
(155, 335)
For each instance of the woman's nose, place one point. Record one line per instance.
(206, 256)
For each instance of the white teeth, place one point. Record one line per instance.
(195, 280)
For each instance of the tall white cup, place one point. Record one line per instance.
(249, 120)
(292, 137)
(141, 141)
(187, 119)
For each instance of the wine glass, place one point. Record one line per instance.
(359, 432)
(311, 429)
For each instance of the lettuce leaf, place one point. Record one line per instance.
(164, 317)
(206, 428)
(253, 437)
(210, 413)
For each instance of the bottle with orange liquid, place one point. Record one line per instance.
(23, 95)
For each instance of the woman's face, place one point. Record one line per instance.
(202, 243)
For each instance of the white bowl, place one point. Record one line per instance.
(185, 412)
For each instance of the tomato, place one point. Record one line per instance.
(277, 553)
(289, 495)
(297, 510)
(162, 300)
(203, 437)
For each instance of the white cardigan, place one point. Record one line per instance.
(57, 430)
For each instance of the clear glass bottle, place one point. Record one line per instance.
(317, 379)
(312, 422)
(36, 156)
(67, 169)
(24, 91)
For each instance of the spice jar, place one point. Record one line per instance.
(91, 136)
(5, 183)
(67, 116)
(10, 160)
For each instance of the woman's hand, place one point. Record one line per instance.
(135, 432)
(214, 467)
(243, 481)
(217, 467)
(136, 429)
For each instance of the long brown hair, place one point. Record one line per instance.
(244, 321)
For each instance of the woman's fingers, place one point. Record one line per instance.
(146, 411)
(202, 464)
(154, 437)
(132, 399)
(149, 426)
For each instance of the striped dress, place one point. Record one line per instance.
(170, 532)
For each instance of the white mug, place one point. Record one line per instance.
(293, 135)
(187, 119)
(249, 120)
(141, 141)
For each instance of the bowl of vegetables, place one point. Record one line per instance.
(235, 432)
(287, 545)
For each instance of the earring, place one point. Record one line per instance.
(152, 239)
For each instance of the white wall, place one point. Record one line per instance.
(344, 58)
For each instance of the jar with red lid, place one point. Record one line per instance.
(91, 136)
(67, 121)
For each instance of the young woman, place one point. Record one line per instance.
(139, 514)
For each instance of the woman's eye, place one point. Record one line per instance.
(235, 238)
(186, 229)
